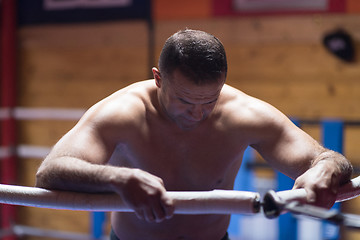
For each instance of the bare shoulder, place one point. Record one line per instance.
(125, 104)
(252, 119)
(108, 122)
(248, 109)
(122, 111)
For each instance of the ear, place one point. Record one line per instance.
(157, 76)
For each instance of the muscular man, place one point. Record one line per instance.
(184, 130)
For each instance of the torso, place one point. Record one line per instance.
(204, 158)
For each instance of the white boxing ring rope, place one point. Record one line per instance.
(192, 202)
(199, 202)
(348, 191)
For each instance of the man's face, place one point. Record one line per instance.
(186, 103)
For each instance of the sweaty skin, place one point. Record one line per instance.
(173, 135)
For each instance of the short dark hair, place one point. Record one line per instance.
(197, 54)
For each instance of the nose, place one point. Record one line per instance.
(196, 112)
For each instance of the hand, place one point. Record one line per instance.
(146, 195)
(321, 184)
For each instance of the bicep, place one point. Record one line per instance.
(94, 138)
(82, 144)
(84, 141)
(286, 147)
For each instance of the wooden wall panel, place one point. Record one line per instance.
(352, 6)
(165, 10)
(43, 132)
(301, 80)
(77, 65)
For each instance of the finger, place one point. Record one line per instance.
(161, 181)
(295, 186)
(139, 214)
(149, 215)
(154, 179)
(310, 196)
(162, 207)
(168, 207)
(298, 184)
(334, 186)
(159, 212)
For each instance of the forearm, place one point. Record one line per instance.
(67, 173)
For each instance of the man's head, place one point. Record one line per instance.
(192, 73)
(196, 54)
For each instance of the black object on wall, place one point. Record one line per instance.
(340, 44)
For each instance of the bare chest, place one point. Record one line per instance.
(185, 162)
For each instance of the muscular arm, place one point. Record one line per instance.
(79, 162)
(290, 150)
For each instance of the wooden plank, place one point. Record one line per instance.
(77, 65)
(165, 10)
(353, 6)
(261, 30)
(42, 132)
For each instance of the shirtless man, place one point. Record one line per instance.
(184, 130)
